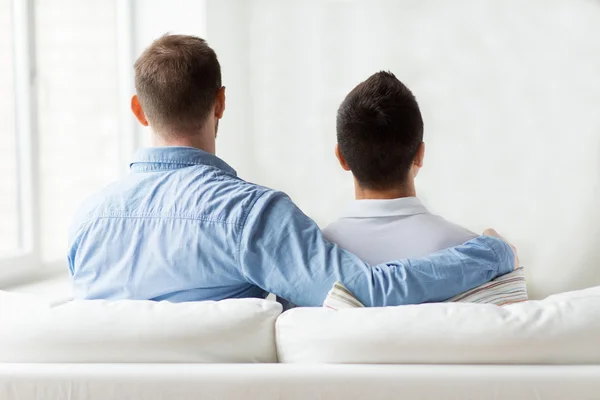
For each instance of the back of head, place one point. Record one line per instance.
(176, 80)
(379, 131)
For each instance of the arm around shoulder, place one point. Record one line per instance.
(284, 252)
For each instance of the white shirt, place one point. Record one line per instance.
(381, 230)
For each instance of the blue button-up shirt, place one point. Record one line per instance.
(182, 227)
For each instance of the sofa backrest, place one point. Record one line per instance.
(229, 331)
(563, 329)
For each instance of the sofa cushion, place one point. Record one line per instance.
(228, 331)
(506, 289)
(563, 329)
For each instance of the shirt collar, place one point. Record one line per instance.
(168, 158)
(385, 208)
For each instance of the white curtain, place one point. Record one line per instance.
(509, 90)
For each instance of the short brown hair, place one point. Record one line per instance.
(380, 131)
(176, 80)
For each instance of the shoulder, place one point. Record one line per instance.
(450, 231)
(268, 201)
(274, 211)
(89, 208)
(334, 230)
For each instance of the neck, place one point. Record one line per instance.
(405, 190)
(203, 140)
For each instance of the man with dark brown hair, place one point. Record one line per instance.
(182, 226)
(380, 140)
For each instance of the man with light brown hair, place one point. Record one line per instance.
(182, 226)
(178, 81)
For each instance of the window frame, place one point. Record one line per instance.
(125, 54)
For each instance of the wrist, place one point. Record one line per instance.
(506, 254)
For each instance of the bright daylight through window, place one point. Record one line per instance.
(59, 124)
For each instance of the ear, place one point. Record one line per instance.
(220, 103)
(341, 159)
(136, 108)
(418, 162)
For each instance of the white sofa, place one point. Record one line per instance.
(247, 349)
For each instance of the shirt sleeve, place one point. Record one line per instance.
(283, 251)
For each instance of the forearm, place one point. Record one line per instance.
(435, 278)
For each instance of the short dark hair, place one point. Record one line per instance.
(379, 131)
(176, 80)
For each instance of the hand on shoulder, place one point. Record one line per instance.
(493, 233)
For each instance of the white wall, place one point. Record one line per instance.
(509, 91)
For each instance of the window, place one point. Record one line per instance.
(60, 123)
(78, 121)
